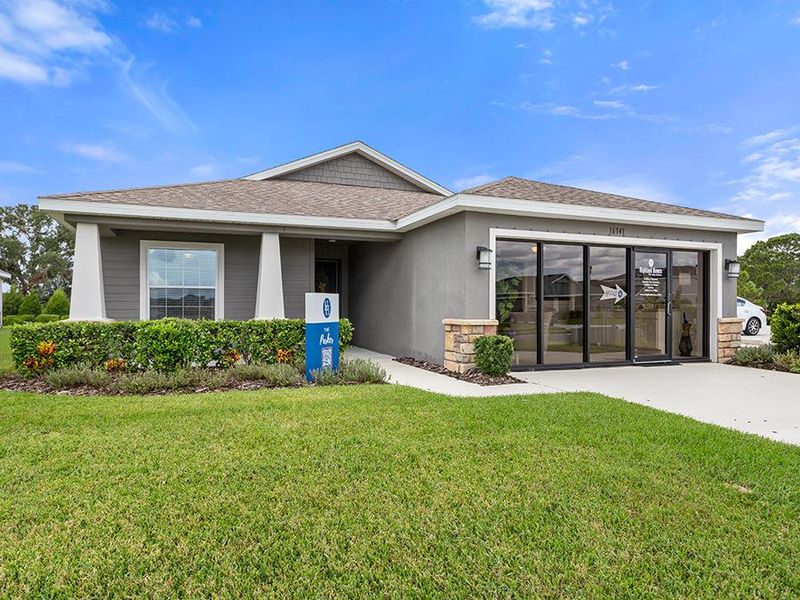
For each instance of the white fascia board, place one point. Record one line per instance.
(107, 209)
(360, 148)
(554, 210)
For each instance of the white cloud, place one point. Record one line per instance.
(522, 46)
(547, 57)
(158, 21)
(204, 170)
(623, 65)
(770, 186)
(581, 20)
(717, 128)
(474, 181)
(99, 152)
(11, 167)
(194, 22)
(153, 95)
(796, 20)
(533, 14)
(562, 110)
(640, 87)
(44, 41)
(618, 104)
(770, 136)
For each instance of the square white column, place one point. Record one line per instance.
(88, 302)
(269, 294)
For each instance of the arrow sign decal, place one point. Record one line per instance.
(615, 294)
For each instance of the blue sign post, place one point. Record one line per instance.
(322, 333)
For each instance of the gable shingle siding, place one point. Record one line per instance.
(352, 169)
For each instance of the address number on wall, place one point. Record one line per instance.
(616, 230)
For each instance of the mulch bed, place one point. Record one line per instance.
(472, 376)
(37, 385)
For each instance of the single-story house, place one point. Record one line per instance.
(575, 277)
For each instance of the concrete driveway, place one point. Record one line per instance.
(766, 403)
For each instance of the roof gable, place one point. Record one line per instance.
(352, 164)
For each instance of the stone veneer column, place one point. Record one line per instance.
(459, 341)
(729, 338)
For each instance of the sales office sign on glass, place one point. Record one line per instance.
(651, 279)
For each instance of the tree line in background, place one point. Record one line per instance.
(770, 272)
(36, 250)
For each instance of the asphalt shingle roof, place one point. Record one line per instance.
(526, 189)
(273, 196)
(287, 197)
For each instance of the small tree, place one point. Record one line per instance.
(30, 305)
(11, 301)
(58, 304)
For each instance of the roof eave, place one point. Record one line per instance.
(62, 207)
(554, 210)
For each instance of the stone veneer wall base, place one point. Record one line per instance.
(729, 338)
(459, 341)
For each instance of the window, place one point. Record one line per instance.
(181, 279)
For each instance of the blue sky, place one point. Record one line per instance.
(689, 102)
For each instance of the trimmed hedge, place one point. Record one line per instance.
(494, 354)
(18, 319)
(785, 325)
(166, 344)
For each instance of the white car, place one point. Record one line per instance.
(754, 317)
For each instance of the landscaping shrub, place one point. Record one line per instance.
(280, 375)
(30, 305)
(148, 382)
(47, 318)
(12, 299)
(18, 319)
(786, 327)
(358, 370)
(58, 304)
(167, 344)
(755, 356)
(73, 377)
(355, 370)
(493, 354)
(788, 361)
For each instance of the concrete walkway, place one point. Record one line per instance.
(766, 403)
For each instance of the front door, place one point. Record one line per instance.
(652, 306)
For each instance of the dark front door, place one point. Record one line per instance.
(652, 307)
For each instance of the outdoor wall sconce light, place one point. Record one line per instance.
(732, 267)
(484, 256)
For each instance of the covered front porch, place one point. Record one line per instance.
(140, 270)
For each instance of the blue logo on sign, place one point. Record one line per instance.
(326, 307)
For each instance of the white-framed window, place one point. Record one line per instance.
(181, 279)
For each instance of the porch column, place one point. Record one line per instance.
(269, 294)
(88, 302)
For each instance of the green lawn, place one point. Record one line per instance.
(384, 489)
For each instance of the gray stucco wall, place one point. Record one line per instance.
(120, 257)
(400, 292)
(352, 169)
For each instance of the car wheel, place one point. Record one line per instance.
(753, 326)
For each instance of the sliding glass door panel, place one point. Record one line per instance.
(516, 297)
(608, 304)
(562, 318)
